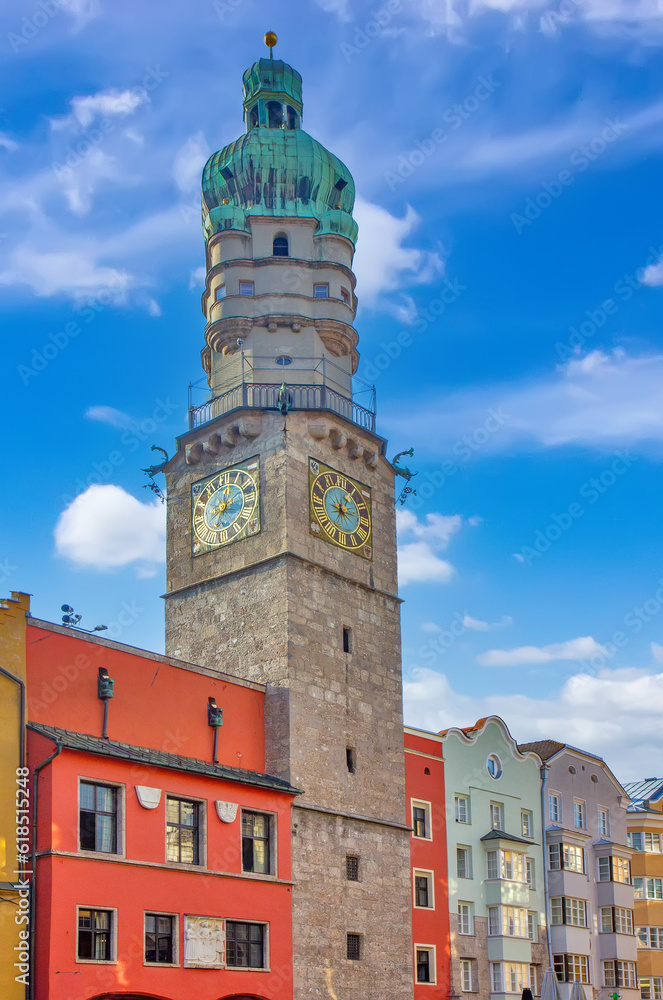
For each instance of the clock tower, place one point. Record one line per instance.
(281, 536)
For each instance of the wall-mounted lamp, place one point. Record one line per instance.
(104, 693)
(215, 720)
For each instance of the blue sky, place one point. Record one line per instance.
(507, 156)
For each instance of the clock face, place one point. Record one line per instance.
(340, 509)
(226, 507)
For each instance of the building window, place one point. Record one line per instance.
(98, 818)
(159, 938)
(345, 295)
(651, 989)
(645, 841)
(579, 819)
(220, 292)
(347, 639)
(616, 973)
(423, 889)
(571, 968)
(462, 808)
(635, 840)
(508, 865)
(532, 926)
(275, 114)
(321, 291)
(465, 921)
(425, 963)
(614, 869)
(530, 873)
(567, 910)
(467, 976)
(280, 246)
(352, 868)
(604, 822)
(616, 920)
(648, 888)
(650, 937)
(245, 945)
(464, 862)
(95, 935)
(256, 843)
(526, 822)
(567, 857)
(554, 807)
(351, 759)
(496, 816)
(508, 977)
(494, 765)
(507, 921)
(246, 288)
(353, 947)
(534, 979)
(421, 820)
(182, 831)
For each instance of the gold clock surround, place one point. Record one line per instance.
(225, 506)
(340, 509)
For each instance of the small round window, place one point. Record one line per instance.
(494, 765)
(284, 359)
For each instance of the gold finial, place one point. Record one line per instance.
(270, 42)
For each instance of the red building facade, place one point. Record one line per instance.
(158, 872)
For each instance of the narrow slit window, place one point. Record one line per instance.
(352, 868)
(351, 759)
(347, 639)
(354, 946)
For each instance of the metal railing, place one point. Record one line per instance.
(318, 394)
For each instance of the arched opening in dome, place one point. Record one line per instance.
(292, 117)
(280, 246)
(253, 117)
(275, 114)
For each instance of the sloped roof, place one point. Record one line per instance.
(502, 835)
(544, 748)
(159, 758)
(647, 788)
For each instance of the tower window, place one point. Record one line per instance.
(253, 116)
(275, 114)
(347, 639)
(345, 295)
(351, 759)
(220, 292)
(321, 291)
(352, 868)
(280, 247)
(291, 116)
(354, 947)
(246, 288)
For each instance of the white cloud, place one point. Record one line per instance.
(109, 415)
(385, 266)
(418, 559)
(596, 713)
(476, 625)
(106, 528)
(657, 651)
(653, 275)
(7, 143)
(582, 648)
(69, 272)
(105, 104)
(605, 400)
(197, 278)
(338, 7)
(189, 161)
(153, 307)
(430, 627)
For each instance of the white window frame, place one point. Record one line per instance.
(247, 295)
(497, 813)
(432, 964)
(430, 876)
(533, 926)
(470, 918)
(422, 804)
(469, 868)
(603, 813)
(468, 964)
(120, 820)
(176, 940)
(531, 863)
(554, 798)
(220, 292)
(113, 936)
(579, 814)
(527, 823)
(321, 284)
(464, 799)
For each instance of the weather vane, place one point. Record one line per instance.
(406, 473)
(270, 42)
(153, 470)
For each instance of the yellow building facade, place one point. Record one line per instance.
(645, 833)
(14, 902)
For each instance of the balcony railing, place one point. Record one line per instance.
(314, 385)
